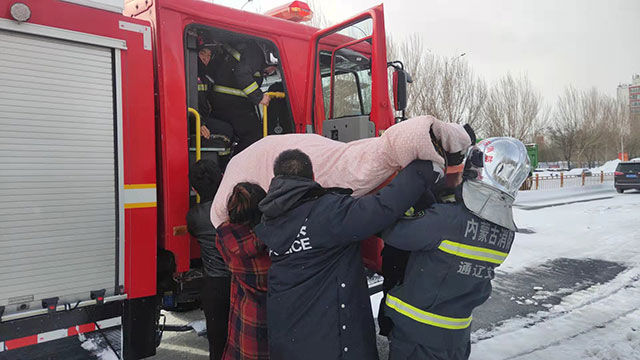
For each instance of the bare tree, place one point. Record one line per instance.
(597, 130)
(443, 87)
(565, 132)
(514, 108)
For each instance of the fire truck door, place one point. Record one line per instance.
(348, 96)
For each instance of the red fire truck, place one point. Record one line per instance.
(95, 147)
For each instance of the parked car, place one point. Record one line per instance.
(627, 176)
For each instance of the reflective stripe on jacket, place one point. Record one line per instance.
(239, 74)
(454, 254)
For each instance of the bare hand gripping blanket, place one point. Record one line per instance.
(359, 165)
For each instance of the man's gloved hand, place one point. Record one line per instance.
(471, 133)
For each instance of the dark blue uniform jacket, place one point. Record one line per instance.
(318, 303)
(454, 254)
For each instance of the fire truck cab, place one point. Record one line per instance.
(96, 142)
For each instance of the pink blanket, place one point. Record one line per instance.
(360, 165)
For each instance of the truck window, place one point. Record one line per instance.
(348, 65)
(352, 89)
(344, 62)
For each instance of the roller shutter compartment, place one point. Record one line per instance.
(58, 208)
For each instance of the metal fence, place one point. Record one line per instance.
(537, 182)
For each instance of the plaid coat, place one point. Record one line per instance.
(248, 260)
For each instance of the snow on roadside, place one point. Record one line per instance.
(604, 229)
(618, 340)
(563, 195)
(608, 167)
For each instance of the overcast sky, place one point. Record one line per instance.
(586, 43)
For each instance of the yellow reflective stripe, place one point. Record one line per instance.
(472, 252)
(257, 74)
(251, 88)
(228, 90)
(139, 196)
(140, 205)
(140, 186)
(426, 317)
(203, 87)
(233, 52)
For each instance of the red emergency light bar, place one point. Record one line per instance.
(296, 11)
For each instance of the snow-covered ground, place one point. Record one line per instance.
(599, 322)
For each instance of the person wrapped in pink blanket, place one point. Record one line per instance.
(361, 165)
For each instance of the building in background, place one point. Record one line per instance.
(634, 97)
(629, 94)
(623, 94)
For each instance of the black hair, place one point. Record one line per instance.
(293, 163)
(243, 204)
(205, 177)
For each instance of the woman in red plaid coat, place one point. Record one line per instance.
(248, 260)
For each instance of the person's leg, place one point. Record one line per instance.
(221, 314)
(221, 131)
(215, 303)
(247, 128)
(207, 303)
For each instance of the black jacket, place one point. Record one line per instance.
(318, 302)
(239, 67)
(205, 89)
(449, 273)
(200, 227)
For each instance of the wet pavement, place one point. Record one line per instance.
(534, 289)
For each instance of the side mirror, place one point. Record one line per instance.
(400, 89)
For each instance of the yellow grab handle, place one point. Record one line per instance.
(276, 94)
(198, 140)
(265, 127)
(198, 125)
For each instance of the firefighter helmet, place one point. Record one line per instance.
(494, 170)
(501, 163)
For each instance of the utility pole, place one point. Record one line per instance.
(622, 145)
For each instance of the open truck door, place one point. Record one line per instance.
(348, 98)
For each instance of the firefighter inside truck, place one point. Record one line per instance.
(222, 45)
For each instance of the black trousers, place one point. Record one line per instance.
(214, 298)
(245, 122)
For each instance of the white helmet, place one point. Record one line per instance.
(495, 168)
